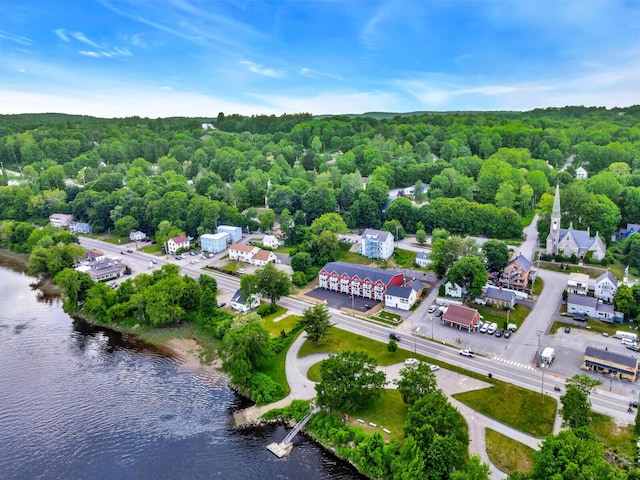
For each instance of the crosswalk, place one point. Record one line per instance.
(515, 364)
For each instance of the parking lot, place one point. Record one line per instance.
(340, 300)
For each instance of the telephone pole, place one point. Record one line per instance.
(540, 364)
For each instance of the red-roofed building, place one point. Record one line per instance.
(176, 243)
(358, 280)
(461, 316)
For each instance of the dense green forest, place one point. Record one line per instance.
(138, 172)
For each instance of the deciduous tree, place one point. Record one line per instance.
(316, 322)
(349, 381)
(415, 382)
(273, 283)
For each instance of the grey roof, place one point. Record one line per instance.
(398, 291)
(582, 237)
(611, 357)
(608, 275)
(423, 255)
(582, 300)
(416, 285)
(239, 297)
(606, 308)
(362, 272)
(380, 235)
(523, 262)
(500, 294)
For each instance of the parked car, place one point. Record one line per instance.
(492, 328)
(433, 368)
(394, 336)
(411, 361)
(432, 309)
(567, 329)
(634, 348)
(500, 332)
(484, 327)
(605, 334)
(508, 333)
(467, 353)
(223, 304)
(439, 313)
(633, 404)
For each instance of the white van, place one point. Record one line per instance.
(628, 335)
(629, 343)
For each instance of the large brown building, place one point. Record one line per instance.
(461, 317)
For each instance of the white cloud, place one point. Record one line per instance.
(62, 34)
(89, 53)
(260, 70)
(15, 38)
(81, 37)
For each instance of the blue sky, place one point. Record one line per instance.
(197, 58)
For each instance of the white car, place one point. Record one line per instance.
(484, 327)
(434, 367)
(492, 328)
(432, 309)
(467, 353)
(411, 361)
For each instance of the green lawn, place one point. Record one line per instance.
(525, 410)
(538, 285)
(276, 368)
(594, 326)
(389, 412)
(507, 454)
(287, 323)
(338, 340)
(151, 249)
(619, 442)
(404, 258)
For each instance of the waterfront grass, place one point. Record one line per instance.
(338, 340)
(276, 368)
(522, 409)
(161, 336)
(388, 411)
(507, 454)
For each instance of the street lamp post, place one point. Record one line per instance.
(431, 318)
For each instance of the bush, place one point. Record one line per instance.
(392, 346)
(263, 389)
(299, 279)
(266, 309)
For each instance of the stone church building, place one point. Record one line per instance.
(569, 241)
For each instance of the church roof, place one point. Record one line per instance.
(582, 237)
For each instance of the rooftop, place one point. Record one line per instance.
(360, 271)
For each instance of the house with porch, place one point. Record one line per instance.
(578, 283)
(517, 273)
(454, 290)
(60, 220)
(606, 286)
(601, 360)
(403, 297)
(376, 244)
(244, 303)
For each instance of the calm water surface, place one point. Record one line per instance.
(82, 403)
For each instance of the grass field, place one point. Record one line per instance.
(594, 326)
(538, 285)
(507, 454)
(287, 323)
(389, 411)
(619, 442)
(519, 408)
(404, 258)
(340, 340)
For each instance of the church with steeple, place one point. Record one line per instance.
(570, 241)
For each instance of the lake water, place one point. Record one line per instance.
(78, 402)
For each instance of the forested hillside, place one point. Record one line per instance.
(485, 171)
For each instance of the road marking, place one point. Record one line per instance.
(515, 364)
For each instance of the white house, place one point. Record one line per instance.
(60, 220)
(213, 242)
(412, 189)
(244, 303)
(376, 244)
(270, 241)
(581, 173)
(208, 126)
(454, 290)
(606, 286)
(176, 243)
(578, 283)
(262, 257)
(137, 235)
(422, 259)
(241, 252)
(403, 297)
(589, 307)
(79, 227)
(235, 233)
